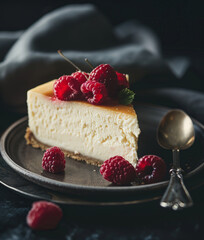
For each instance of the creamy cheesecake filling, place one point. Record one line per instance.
(81, 128)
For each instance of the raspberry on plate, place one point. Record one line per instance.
(105, 74)
(53, 160)
(94, 92)
(44, 215)
(81, 77)
(122, 81)
(118, 171)
(67, 88)
(151, 169)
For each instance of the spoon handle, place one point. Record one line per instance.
(176, 196)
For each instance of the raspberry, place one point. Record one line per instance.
(44, 215)
(94, 92)
(118, 170)
(122, 81)
(151, 169)
(105, 74)
(81, 77)
(67, 88)
(53, 160)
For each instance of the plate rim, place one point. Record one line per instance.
(33, 177)
(82, 202)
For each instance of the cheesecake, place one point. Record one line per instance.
(86, 132)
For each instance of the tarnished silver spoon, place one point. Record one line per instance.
(176, 132)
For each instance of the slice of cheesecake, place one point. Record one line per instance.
(82, 130)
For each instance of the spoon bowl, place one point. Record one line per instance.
(176, 131)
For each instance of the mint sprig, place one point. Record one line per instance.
(126, 96)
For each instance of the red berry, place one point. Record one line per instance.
(118, 170)
(67, 88)
(122, 81)
(53, 160)
(151, 169)
(94, 92)
(44, 215)
(105, 74)
(81, 77)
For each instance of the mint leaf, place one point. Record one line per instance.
(126, 96)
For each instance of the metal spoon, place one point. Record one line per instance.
(176, 132)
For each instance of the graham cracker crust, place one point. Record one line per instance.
(31, 140)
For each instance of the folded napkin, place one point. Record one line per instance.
(30, 57)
